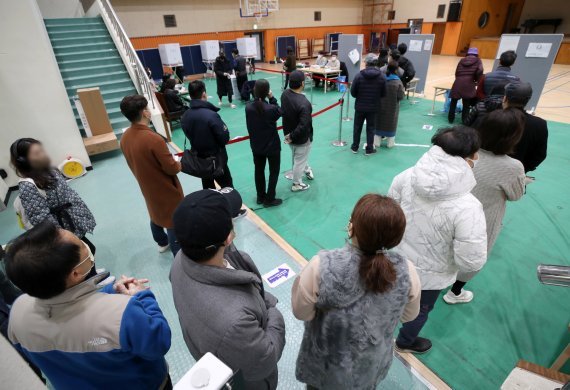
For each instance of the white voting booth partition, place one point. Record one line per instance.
(209, 50)
(419, 53)
(170, 54)
(535, 56)
(247, 47)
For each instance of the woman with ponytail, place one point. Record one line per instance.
(352, 299)
(261, 118)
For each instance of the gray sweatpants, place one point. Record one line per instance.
(300, 157)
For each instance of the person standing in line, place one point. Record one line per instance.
(499, 177)
(261, 119)
(81, 332)
(240, 69)
(219, 295)
(368, 88)
(155, 169)
(298, 129)
(352, 298)
(445, 231)
(394, 56)
(44, 193)
(467, 74)
(289, 65)
(383, 57)
(223, 70)
(386, 121)
(532, 147)
(502, 75)
(406, 65)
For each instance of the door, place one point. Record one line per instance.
(438, 30)
(258, 35)
(393, 34)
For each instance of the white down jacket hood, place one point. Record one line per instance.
(445, 229)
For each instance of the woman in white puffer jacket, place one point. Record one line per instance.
(446, 230)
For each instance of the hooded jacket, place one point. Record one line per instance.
(467, 73)
(445, 229)
(297, 117)
(367, 88)
(205, 129)
(226, 312)
(84, 338)
(409, 70)
(500, 76)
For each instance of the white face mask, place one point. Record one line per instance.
(474, 162)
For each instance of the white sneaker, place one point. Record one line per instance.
(377, 141)
(232, 105)
(300, 187)
(162, 249)
(289, 175)
(391, 142)
(464, 297)
(309, 174)
(220, 103)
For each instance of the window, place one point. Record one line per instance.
(169, 20)
(440, 11)
(317, 16)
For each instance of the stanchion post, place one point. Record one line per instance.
(339, 141)
(347, 118)
(312, 86)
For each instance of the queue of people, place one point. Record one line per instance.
(432, 232)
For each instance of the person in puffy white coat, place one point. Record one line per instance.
(446, 230)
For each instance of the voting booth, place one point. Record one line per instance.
(170, 54)
(535, 56)
(350, 52)
(419, 53)
(247, 47)
(210, 50)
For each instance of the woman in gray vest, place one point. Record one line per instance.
(352, 299)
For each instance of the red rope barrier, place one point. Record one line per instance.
(246, 137)
(313, 75)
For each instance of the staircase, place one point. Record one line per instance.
(87, 57)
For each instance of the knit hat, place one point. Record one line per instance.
(473, 51)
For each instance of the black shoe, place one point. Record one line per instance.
(241, 213)
(260, 200)
(451, 119)
(369, 152)
(421, 345)
(272, 203)
(355, 151)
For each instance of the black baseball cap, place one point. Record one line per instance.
(204, 218)
(297, 76)
(518, 92)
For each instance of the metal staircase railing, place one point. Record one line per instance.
(142, 82)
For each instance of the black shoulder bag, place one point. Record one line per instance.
(202, 167)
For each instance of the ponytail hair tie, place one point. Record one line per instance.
(382, 251)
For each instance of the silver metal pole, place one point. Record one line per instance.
(554, 275)
(311, 81)
(347, 118)
(339, 141)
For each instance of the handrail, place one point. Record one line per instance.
(144, 85)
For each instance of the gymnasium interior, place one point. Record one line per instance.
(65, 66)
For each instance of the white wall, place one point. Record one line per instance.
(547, 9)
(33, 100)
(419, 9)
(53, 9)
(143, 18)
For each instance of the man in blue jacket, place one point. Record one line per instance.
(368, 87)
(502, 75)
(207, 132)
(80, 336)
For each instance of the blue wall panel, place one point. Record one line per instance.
(151, 59)
(282, 43)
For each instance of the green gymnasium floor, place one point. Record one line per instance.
(475, 346)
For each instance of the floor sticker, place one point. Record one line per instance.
(279, 275)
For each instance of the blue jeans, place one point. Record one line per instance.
(411, 330)
(163, 239)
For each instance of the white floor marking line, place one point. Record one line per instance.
(414, 145)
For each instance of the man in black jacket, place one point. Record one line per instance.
(502, 75)
(289, 65)
(207, 132)
(368, 87)
(531, 149)
(298, 129)
(173, 101)
(406, 65)
(240, 69)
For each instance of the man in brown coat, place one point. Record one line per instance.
(155, 170)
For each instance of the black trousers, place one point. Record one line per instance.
(241, 80)
(224, 181)
(286, 81)
(467, 103)
(359, 118)
(263, 192)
